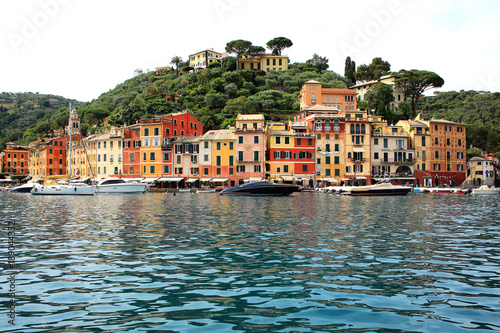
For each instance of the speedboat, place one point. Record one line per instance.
(263, 187)
(485, 189)
(378, 189)
(119, 185)
(24, 188)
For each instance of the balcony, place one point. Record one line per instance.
(357, 160)
(397, 161)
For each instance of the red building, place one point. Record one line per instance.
(132, 151)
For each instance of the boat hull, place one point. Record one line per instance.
(381, 192)
(63, 190)
(261, 188)
(21, 189)
(122, 188)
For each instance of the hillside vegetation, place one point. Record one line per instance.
(215, 96)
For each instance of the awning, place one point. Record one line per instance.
(191, 180)
(216, 180)
(330, 180)
(358, 149)
(205, 179)
(254, 179)
(149, 180)
(176, 179)
(360, 177)
(288, 178)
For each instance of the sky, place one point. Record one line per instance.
(82, 48)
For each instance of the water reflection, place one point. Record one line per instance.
(305, 262)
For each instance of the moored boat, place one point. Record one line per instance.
(63, 189)
(119, 185)
(263, 187)
(378, 189)
(485, 189)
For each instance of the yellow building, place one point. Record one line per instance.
(264, 62)
(219, 148)
(391, 154)
(107, 153)
(201, 60)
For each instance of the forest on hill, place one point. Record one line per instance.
(216, 95)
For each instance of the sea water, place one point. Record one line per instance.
(310, 262)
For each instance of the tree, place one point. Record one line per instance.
(349, 71)
(238, 47)
(415, 82)
(278, 44)
(373, 71)
(379, 97)
(320, 63)
(176, 60)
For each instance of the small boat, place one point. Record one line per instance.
(383, 188)
(119, 185)
(263, 187)
(212, 190)
(485, 189)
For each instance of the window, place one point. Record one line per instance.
(304, 167)
(327, 160)
(240, 139)
(386, 143)
(218, 160)
(166, 156)
(436, 154)
(336, 160)
(179, 159)
(278, 140)
(166, 169)
(130, 170)
(436, 140)
(423, 141)
(218, 145)
(205, 158)
(240, 168)
(257, 168)
(156, 141)
(218, 171)
(104, 157)
(255, 139)
(309, 142)
(375, 156)
(144, 157)
(167, 131)
(111, 158)
(287, 140)
(327, 147)
(152, 156)
(145, 142)
(240, 156)
(255, 156)
(231, 160)
(156, 131)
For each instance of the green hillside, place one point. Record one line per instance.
(215, 96)
(22, 111)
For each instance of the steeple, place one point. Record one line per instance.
(74, 122)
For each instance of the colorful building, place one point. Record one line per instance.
(440, 150)
(357, 148)
(250, 147)
(264, 62)
(290, 153)
(480, 171)
(391, 154)
(132, 151)
(312, 93)
(219, 146)
(201, 60)
(15, 159)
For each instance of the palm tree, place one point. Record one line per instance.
(176, 61)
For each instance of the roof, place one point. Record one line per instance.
(322, 108)
(224, 134)
(250, 117)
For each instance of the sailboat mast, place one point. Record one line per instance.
(70, 127)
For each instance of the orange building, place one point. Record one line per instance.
(15, 159)
(312, 93)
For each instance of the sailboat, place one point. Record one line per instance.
(64, 187)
